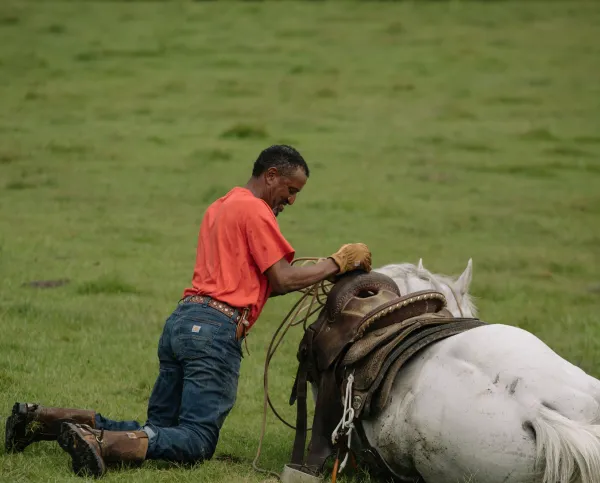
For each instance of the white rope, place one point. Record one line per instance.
(346, 424)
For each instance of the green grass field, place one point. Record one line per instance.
(442, 130)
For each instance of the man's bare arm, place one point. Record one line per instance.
(285, 278)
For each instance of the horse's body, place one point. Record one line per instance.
(490, 405)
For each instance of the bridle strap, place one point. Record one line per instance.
(301, 416)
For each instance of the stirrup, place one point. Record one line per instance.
(292, 475)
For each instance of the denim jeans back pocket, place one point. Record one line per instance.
(194, 337)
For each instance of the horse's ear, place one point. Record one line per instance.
(464, 281)
(420, 267)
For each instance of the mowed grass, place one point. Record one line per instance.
(436, 130)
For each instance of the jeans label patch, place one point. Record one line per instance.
(196, 328)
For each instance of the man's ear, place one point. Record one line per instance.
(271, 175)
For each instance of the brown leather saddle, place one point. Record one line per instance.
(359, 305)
(368, 330)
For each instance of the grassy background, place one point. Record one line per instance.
(436, 130)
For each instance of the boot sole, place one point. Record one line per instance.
(85, 460)
(16, 426)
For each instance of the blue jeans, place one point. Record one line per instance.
(196, 385)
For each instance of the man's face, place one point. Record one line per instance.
(282, 189)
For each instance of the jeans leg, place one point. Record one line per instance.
(165, 400)
(206, 347)
(111, 425)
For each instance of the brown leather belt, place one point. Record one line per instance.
(228, 310)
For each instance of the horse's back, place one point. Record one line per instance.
(465, 408)
(524, 368)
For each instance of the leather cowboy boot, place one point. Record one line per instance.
(92, 450)
(29, 423)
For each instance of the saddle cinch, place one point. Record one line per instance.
(363, 336)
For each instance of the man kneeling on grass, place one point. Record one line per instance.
(242, 260)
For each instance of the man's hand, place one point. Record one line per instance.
(351, 257)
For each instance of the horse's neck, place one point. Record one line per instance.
(407, 283)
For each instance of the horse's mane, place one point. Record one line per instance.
(405, 270)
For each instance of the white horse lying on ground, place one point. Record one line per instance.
(490, 405)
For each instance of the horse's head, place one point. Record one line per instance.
(413, 278)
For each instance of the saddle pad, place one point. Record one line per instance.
(379, 397)
(372, 340)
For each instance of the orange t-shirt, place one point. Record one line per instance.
(239, 240)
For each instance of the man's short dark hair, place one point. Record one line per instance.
(285, 158)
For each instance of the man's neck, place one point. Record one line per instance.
(255, 187)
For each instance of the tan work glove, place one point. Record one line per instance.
(351, 257)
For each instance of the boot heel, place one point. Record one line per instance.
(63, 439)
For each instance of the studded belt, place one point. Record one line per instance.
(222, 307)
